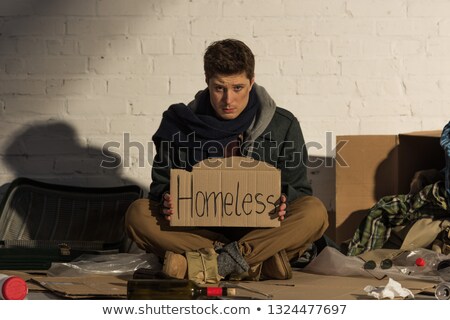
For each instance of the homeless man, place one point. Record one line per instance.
(233, 116)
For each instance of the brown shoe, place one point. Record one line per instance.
(277, 267)
(175, 265)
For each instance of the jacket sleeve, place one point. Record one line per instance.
(293, 163)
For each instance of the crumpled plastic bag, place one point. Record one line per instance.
(392, 290)
(105, 264)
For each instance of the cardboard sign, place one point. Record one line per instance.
(235, 191)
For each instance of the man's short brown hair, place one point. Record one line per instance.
(227, 57)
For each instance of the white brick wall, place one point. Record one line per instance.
(77, 74)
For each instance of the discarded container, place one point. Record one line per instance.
(12, 288)
(443, 291)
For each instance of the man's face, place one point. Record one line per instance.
(229, 94)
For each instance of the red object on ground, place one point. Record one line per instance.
(420, 262)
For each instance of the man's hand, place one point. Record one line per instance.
(167, 206)
(282, 207)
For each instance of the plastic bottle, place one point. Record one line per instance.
(172, 289)
(443, 291)
(12, 288)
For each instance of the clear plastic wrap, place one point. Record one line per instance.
(105, 264)
(332, 262)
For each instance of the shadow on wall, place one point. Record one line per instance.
(52, 152)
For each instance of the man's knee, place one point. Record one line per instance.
(136, 212)
(313, 210)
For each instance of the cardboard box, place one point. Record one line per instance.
(235, 191)
(369, 167)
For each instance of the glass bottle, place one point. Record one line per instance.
(172, 289)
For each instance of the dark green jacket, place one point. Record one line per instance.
(275, 137)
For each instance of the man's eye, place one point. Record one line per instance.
(238, 88)
(219, 89)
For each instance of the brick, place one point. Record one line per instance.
(30, 165)
(134, 124)
(430, 8)
(178, 65)
(374, 47)
(127, 46)
(205, 8)
(100, 86)
(126, 8)
(61, 46)
(8, 46)
(310, 67)
(14, 66)
(155, 105)
(253, 8)
(278, 85)
(347, 48)
(438, 47)
(75, 165)
(389, 124)
(313, 8)
(444, 27)
(97, 106)
(426, 66)
(425, 107)
(162, 27)
(65, 7)
(332, 85)
(374, 67)
(188, 45)
(69, 87)
(87, 126)
(25, 86)
(33, 26)
(392, 87)
(379, 106)
(265, 27)
(408, 47)
(93, 46)
(187, 85)
(16, 7)
(56, 65)
(344, 26)
(407, 27)
(173, 8)
(31, 46)
(282, 47)
(225, 27)
(436, 123)
(135, 65)
(30, 106)
(97, 26)
(314, 49)
(377, 8)
(420, 86)
(157, 45)
(138, 86)
(313, 106)
(269, 66)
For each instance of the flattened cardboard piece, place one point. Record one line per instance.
(85, 287)
(377, 166)
(234, 191)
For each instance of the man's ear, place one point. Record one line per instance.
(252, 82)
(207, 80)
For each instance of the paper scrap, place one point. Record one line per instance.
(392, 290)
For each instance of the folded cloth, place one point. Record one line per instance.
(398, 210)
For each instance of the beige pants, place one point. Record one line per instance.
(306, 221)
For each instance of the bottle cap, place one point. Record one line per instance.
(420, 262)
(14, 288)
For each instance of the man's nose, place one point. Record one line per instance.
(228, 97)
